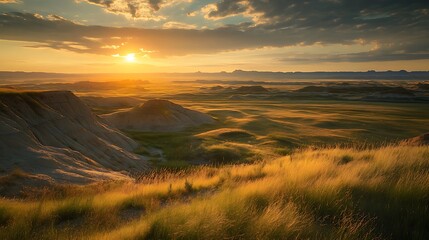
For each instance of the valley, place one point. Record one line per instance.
(240, 161)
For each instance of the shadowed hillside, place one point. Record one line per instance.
(53, 136)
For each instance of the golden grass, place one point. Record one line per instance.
(332, 193)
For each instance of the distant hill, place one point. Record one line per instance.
(53, 135)
(357, 89)
(110, 102)
(219, 77)
(251, 89)
(158, 115)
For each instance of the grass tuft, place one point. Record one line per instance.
(72, 210)
(319, 193)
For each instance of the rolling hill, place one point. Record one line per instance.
(158, 116)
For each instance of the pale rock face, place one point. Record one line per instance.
(158, 116)
(55, 136)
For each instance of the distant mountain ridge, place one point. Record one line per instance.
(235, 75)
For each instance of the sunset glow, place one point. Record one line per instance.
(213, 35)
(131, 57)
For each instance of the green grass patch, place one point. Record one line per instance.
(73, 209)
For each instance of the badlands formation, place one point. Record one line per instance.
(54, 137)
(158, 115)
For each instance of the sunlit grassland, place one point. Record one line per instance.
(201, 145)
(248, 129)
(327, 193)
(314, 122)
(276, 123)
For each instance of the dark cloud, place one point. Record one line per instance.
(132, 8)
(314, 14)
(105, 3)
(62, 34)
(397, 30)
(398, 27)
(370, 56)
(155, 4)
(143, 9)
(227, 7)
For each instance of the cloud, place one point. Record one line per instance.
(398, 26)
(155, 4)
(136, 9)
(277, 14)
(8, 1)
(370, 56)
(178, 25)
(59, 33)
(394, 39)
(225, 8)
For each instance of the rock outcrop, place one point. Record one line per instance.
(158, 116)
(55, 136)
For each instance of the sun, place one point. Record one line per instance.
(131, 57)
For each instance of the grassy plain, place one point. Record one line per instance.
(271, 167)
(276, 127)
(329, 193)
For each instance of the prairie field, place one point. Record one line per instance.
(255, 125)
(314, 193)
(271, 165)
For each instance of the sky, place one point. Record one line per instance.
(118, 36)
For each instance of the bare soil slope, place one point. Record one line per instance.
(55, 136)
